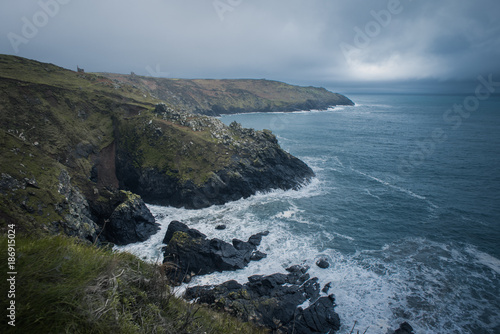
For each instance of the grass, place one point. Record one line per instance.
(241, 95)
(178, 148)
(64, 286)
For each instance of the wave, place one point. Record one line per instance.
(397, 188)
(485, 259)
(417, 280)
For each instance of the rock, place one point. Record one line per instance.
(130, 222)
(257, 238)
(175, 226)
(318, 318)
(322, 263)
(191, 252)
(404, 328)
(220, 227)
(78, 218)
(327, 287)
(257, 255)
(275, 301)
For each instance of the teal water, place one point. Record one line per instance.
(405, 205)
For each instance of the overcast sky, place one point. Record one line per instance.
(345, 46)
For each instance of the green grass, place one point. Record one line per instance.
(64, 286)
(178, 148)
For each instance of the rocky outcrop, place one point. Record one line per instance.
(190, 252)
(285, 303)
(78, 219)
(131, 221)
(158, 161)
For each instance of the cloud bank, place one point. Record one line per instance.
(342, 45)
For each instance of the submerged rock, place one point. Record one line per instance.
(288, 303)
(192, 253)
(323, 263)
(404, 328)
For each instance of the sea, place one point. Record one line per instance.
(405, 206)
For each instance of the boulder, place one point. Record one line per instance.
(288, 303)
(323, 263)
(191, 252)
(131, 221)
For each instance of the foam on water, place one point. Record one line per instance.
(485, 259)
(415, 280)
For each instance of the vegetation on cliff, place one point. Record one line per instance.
(215, 97)
(64, 286)
(71, 140)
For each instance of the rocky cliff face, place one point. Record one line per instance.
(72, 142)
(157, 159)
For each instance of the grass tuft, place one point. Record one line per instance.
(65, 286)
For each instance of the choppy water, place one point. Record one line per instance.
(406, 206)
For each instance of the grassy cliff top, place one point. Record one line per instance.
(64, 286)
(210, 96)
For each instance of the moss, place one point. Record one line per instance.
(245, 294)
(176, 150)
(182, 239)
(128, 199)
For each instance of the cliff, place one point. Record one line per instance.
(77, 149)
(216, 97)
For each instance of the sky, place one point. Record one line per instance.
(355, 46)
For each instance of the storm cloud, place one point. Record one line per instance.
(345, 46)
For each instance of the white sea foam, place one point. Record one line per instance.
(416, 280)
(374, 288)
(485, 259)
(397, 188)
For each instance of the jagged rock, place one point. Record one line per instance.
(220, 227)
(130, 222)
(275, 301)
(192, 252)
(323, 263)
(257, 255)
(327, 287)
(318, 318)
(79, 220)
